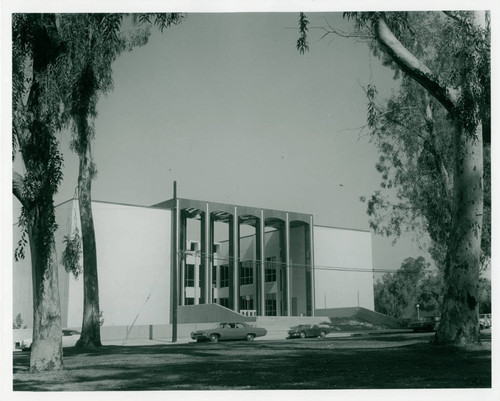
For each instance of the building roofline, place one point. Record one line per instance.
(155, 206)
(343, 228)
(110, 203)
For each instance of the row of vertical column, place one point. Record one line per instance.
(204, 278)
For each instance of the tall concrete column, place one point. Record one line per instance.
(311, 261)
(287, 266)
(205, 257)
(182, 256)
(197, 285)
(262, 264)
(234, 245)
(208, 252)
(213, 261)
(279, 271)
(257, 273)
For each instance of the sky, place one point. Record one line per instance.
(225, 105)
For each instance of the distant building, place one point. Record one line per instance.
(257, 262)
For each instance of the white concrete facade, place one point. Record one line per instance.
(343, 268)
(134, 258)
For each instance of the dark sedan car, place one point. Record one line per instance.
(307, 330)
(427, 323)
(229, 331)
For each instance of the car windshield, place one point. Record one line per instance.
(230, 325)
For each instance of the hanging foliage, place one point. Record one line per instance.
(72, 254)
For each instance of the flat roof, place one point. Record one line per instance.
(223, 211)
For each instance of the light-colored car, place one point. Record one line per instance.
(69, 339)
(229, 331)
(485, 321)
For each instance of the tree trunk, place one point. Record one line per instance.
(459, 320)
(46, 348)
(91, 332)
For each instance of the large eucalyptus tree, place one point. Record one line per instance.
(448, 55)
(37, 116)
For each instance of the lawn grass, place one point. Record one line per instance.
(405, 361)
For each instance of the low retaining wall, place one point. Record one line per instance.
(210, 313)
(361, 313)
(151, 332)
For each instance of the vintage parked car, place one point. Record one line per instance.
(308, 330)
(485, 321)
(426, 323)
(229, 331)
(69, 339)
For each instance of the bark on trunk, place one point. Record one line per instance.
(459, 320)
(91, 331)
(46, 346)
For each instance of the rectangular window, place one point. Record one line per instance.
(246, 272)
(224, 276)
(189, 277)
(189, 301)
(270, 269)
(214, 275)
(224, 302)
(246, 302)
(271, 304)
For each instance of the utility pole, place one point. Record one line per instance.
(175, 265)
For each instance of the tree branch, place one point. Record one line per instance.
(448, 97)
(454, 16)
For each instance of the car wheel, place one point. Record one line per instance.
(322, 334)
(214, 338)
(302, 334)
(250, 337)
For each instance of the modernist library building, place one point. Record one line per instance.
(250, 260)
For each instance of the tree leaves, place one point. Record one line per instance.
(302, 44)
(397, 292)
(72, 253)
